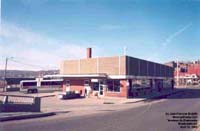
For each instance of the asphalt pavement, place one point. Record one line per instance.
(148, 117)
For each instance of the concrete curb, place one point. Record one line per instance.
(26, 116)
(155, 97)
(47, 96)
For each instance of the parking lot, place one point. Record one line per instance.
(79, 106)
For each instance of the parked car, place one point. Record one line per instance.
(69, 95)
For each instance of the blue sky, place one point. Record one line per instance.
(48, 31)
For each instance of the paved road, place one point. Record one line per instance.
(148, 117)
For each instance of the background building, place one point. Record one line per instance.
(187, 72)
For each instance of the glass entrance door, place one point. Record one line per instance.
(97, 87)
(101, 88)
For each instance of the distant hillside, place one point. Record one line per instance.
(27, 74)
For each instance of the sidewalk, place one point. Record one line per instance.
(23, 115)
(154, 95)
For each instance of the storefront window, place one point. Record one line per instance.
(113, 85)
(116, 84)
(110, 85)
(140, 83)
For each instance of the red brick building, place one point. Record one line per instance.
(194, 69)
(187, 72)
(118, 76)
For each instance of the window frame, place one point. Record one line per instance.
(112, 90)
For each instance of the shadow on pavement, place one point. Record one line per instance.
(177, 93)
(185, 93)
(62, 112)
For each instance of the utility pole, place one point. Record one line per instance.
(177, 74)
(5, 73)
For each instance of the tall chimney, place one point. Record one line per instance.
(89, 52)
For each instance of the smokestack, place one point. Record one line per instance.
(89, 53)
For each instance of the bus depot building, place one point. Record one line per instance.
(118, 76)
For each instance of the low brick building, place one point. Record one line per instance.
(118, 76)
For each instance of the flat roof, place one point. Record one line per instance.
(105, 76)
(76, 75)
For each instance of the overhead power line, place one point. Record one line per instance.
(28, 64)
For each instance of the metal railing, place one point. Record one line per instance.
(15, 103)
(15, 99)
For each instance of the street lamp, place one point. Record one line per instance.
(5, 72)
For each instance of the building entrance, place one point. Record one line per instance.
(97, 86)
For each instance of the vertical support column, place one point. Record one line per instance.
(124, 88)
(157, 86)
(154, 84)
(161, 85)
(105, 86)
(151, 85)
(172, 84)
(130, 92)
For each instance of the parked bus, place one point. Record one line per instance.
(32, 86)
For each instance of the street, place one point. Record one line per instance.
(150, 116)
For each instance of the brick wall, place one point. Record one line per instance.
(69, 67)
(88, 66)
(123, 65)
(112, 65)
(195, 69)
(78, 85)
(109, 65)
